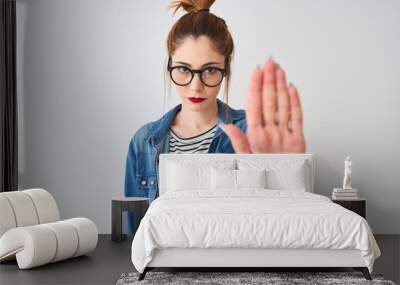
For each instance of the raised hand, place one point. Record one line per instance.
(273, 113)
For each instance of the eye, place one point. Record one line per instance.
(210, 70)
(183, 69)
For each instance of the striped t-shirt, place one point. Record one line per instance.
(196, 144)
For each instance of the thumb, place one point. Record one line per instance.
(238, 139)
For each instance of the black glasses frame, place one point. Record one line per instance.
(193, 71)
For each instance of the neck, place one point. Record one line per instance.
(197, 119)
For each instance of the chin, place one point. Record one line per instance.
(197, 107)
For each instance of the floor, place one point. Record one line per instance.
(111, 259)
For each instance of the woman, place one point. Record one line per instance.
(200, 49)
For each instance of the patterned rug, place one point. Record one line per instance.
(229, 278)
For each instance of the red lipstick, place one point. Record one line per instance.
(196, 100)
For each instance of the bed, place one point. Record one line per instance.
(247, 210)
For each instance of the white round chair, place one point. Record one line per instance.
(31, 231)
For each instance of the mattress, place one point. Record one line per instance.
(250, 218)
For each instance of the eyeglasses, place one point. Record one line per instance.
(183, 75)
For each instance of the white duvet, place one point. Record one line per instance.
(250, 218)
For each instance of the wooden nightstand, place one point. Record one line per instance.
(357, 206)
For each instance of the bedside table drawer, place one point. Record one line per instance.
(357, 206)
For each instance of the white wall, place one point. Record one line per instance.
(90, 73)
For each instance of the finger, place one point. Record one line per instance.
(269, 92)
(283, 99)
(254, 100)
(297, 115)
(238, 138)
(276, 138)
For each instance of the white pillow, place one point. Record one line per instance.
(285, 174)
(229, 179)
(251, 178)
(223, 179)
(193, 174)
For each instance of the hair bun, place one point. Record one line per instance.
(191, 5)
(203, 10)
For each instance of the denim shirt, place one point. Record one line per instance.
(141, 174)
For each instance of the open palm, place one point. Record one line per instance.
(274, 115)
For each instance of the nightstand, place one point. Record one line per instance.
(358, 206)
(138, 205)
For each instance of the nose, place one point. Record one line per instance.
(196, 83)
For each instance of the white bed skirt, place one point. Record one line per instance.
(253, 257)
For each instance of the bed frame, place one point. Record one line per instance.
(248, 259)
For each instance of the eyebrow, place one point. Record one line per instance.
(208, 63)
